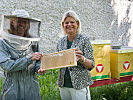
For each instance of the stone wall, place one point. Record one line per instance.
(95, 15)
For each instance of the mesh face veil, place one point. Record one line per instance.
(31, 34)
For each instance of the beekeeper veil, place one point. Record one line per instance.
(31, 32)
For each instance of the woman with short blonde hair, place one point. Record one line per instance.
(74, 81)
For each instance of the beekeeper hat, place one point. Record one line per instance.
(21, 14)
(34, 30)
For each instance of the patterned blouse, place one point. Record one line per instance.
(80, 76)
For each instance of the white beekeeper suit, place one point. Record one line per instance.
(15, 51)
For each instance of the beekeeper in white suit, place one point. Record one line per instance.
(20, 56)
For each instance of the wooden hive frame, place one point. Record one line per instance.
(66, 58)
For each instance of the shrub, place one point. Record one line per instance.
(50, 91)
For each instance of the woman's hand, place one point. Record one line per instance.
(79, 55)
(86, 62)
(36, 56)
(41, 71)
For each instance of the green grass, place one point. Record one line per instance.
(119, 91)
(1, 81)
(50, 91)
(48, 88)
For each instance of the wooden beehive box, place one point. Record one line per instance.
(66, 58)
(121, 61)
(102, 59)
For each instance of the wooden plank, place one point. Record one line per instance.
(111, 81)
(122, 50)
(100, 42)
(66, 58)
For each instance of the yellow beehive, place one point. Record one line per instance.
(121, 62)
(102, 59)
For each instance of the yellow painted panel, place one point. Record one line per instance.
(115, 74)
(125, 57)
(101, 56)
(101, 48)
(113, 61)
(122, 50)
(121, 67)
(116, 62)
(106, 69)
(114, 65)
